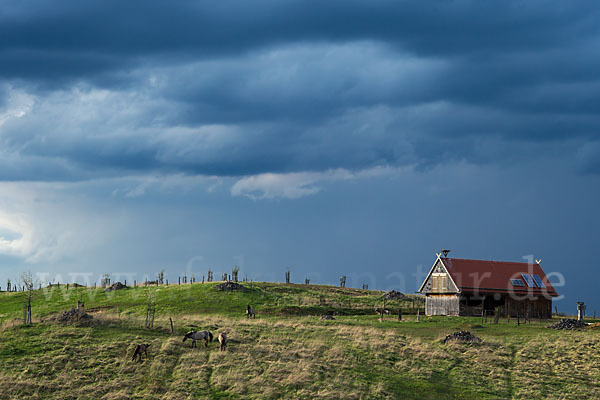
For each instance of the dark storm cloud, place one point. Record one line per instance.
(239, 88)
(78, 38)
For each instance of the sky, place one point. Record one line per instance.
(328, 138)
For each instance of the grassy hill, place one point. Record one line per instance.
(286, 352)
(267, 298)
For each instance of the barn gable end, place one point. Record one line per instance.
(438, 280)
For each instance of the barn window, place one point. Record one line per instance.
(440, 282)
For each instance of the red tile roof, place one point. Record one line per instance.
(495, 276)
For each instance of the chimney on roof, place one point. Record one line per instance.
(445, 252)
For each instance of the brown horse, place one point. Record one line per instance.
(139, 349)
(222, 342)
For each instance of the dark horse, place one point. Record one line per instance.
(202, 335)
(139, 349)
(250, 312)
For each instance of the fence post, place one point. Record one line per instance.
(497, 315)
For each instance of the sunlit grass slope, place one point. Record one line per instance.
(266, 298)
(286, 352)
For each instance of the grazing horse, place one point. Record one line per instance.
(206, 335)
(222, 342)
(382, 311)
(250, 312)
(139, 349)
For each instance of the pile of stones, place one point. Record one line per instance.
(568, 324)
(230, 286)
(462, 336)
(327, 316)
(115, 286)
(393, 295)
(74, 315)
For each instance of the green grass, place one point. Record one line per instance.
(286, 352)
(266, 298)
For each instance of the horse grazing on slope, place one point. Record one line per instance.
(382, 311)
(139, 349)
(222, 342)
(250, 312)
(202, 335)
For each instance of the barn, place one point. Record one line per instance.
(467, 287)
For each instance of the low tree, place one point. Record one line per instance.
(105, 281)
(151, 309)
(29, 287)
(234, 273)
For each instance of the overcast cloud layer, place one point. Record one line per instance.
(159, 103)
(106, 88)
